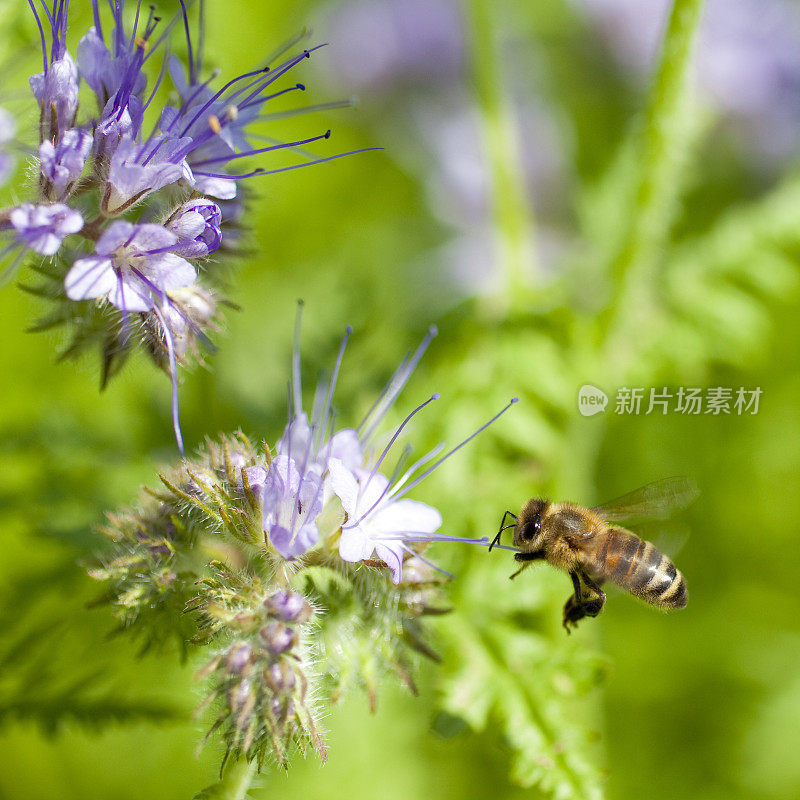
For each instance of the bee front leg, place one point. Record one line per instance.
(526, 559)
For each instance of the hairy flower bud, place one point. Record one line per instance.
(277, 638)
(197, 225)
(289, 606)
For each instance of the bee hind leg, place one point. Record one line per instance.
(582, 604)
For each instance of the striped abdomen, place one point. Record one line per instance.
(638, 567)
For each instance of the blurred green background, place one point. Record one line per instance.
(530, 104)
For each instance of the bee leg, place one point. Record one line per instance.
(580, 604)
(526, 559)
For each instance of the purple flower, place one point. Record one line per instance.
(43, 228)
(134, 268)
(377, 523)
(62, 164)
(56, 87)
(290, 504)
(108, 73)
(377, 520)
(197, 225)
(137, 170)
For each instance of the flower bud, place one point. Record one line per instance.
(197, 225)
(280, 677)
(238, 658)
(289, 606)
(277, 638)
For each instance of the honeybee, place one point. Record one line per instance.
(585, 543)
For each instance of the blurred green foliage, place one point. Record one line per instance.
(700, 704)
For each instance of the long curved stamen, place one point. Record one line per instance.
(296, 384)
(190, 54)
(417, 481)
(394, 387)
(426, 561)
(173, 369)
(41, 34)
(389, 446)
(259, 101)
(332, 387)
(226, 158)
(296, 112)
(132, 41)
(417, 464)
(421, 536)
(378, 463)
(216, 97)
(259, 172)
(159, 79)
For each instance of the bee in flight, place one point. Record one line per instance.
(586, 543)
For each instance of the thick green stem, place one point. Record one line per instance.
(237, 780)
(665, 141)
(512, 216)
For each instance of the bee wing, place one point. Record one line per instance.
(654, 501)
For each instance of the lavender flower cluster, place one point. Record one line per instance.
(315, 523)
(133, 198)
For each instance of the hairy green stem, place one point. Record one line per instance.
(664, 144)
(512, 216)
(237, 780)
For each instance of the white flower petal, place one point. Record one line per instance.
(90, 277)
(344, 486)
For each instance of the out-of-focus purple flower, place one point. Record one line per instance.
(197, 225)
(62, 164)
(134, 268)
(383, 43)
(290, 504)
(7, 130)
(43, 228)
(748, 59)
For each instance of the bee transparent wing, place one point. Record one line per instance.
(656, 500)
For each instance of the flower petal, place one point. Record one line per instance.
(90, 277)
(344, 486)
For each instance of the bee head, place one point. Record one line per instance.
(528, 530)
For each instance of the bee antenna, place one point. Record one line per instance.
(503, 527)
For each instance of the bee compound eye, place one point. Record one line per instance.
(530, 530)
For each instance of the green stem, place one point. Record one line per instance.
(236, 781)
(665, 142)
(512, 216)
